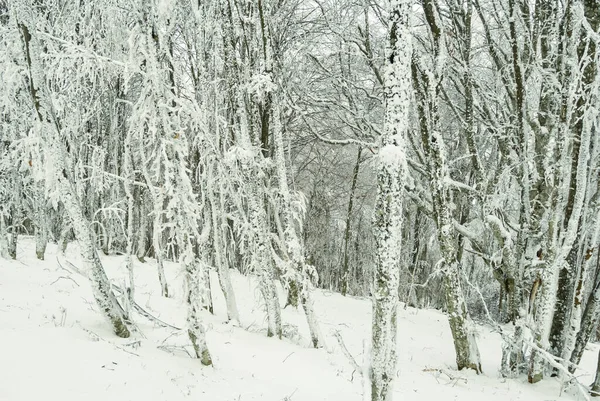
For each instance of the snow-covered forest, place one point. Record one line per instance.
(204, 187)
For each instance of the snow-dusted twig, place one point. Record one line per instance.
(65, 278)
(74, 268)
(145, 313)
(96, 337)
(347, 353)
(555, 363)
(453, 379)
(286, 358)
(170, 348)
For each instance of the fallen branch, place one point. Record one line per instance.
(554, 362)
(170, 348)
(96, 337)
(347, 353)
(145, 313)
(452, 378)
(286, 358)
(65, 278)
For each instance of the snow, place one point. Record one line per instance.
(55, 345)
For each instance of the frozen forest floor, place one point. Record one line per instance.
(55, 345)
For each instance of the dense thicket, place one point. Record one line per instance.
(440, 153)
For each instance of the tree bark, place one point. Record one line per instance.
(388, 214)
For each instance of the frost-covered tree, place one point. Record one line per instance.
(388, 216)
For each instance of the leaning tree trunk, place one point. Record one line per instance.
(595, 389)
(589, 322)
(302, 271)
(55, 155)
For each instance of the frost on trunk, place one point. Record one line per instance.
(157, 243)
(40, 224)
(511, 279)
(463, 330)
(237, 24)
(140, 200)
(129, 194)
(427, 85)
(52, 143)
(218, 225)
(558, 308)
(195, 327)
(16, 221)
(89, 255)
(589, 322)
(262, 263)
(3, 237)
(587, 112)
(391, 174)
(301, 271)
(346, 264)
(595, 388)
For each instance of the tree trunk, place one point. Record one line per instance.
(589, 322)
(142, 247)
(218, 223)
(55, 155)
(346, 265)
(3, 238)
(195, 327)
(391, 173)
(40, 220)
(595, 390)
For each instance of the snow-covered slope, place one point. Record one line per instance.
(54, 345)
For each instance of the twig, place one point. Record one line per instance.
(554, 362)
(289, 397)
(170, 348)
(98, 338)
(347, 353)
(287, 357)
(72, 266)
(452, 378)
(66, 278)
(145, 313)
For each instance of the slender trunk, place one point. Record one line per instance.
(41, 241)
(595, 390)
(56, 156)
(346, 265)
(142, 247)
(196, 330)
(218, 222)
(130, 193)
(262, 262)
(158, 249)
(3, 238)
(589, 322)
(13, 237)
(40, 228)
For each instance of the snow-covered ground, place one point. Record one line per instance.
(55, 345)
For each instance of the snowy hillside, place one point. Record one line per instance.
(54, 345)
